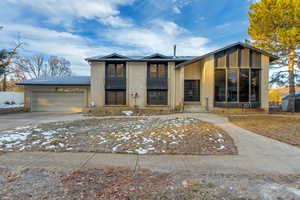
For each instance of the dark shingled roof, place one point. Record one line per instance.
(67, 81)
(153, 57)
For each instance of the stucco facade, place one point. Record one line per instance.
(182, 77)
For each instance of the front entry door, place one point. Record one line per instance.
(191, 90)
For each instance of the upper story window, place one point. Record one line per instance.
(157, 70)
(255, 59)
(116, 70)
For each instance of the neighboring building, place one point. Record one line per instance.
(232, 77)
(285, 102)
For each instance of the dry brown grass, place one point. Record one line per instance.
(284, 129)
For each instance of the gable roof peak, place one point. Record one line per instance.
(157, 55)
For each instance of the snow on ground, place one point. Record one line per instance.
(6, 106)
(140, 136)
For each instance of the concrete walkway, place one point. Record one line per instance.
(257, 154)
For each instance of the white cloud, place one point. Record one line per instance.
(64, 12)
(176, 10)
(159, 37)
(49, 42)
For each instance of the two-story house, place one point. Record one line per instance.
(235, 76)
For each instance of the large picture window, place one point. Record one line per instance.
(232, 85)
(220, 84)
(255, 79)
(239, 81)
(244, 85)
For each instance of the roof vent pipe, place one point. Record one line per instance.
(174, 51)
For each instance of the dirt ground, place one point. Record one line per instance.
(127, 184)
(122, 135)
(284, 129)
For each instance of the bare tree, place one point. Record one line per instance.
(6, 60)
(31, 67)
(37, 66)
(58, 66)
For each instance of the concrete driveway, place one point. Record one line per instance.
(9, 121)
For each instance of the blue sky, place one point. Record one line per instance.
(76, 29)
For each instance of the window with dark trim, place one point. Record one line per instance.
(244, 85)
(157, 83)
(220, 85)
(232, 85)
(255, 85)
(115, 83)
(239, 81)
(115, 97)
(157, 97)
(191, 90)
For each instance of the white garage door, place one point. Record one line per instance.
(57, 101)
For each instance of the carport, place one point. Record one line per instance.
(57, 94)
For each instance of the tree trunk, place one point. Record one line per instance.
(4, 82)
(291, 105)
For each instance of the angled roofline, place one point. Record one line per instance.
(157, 55)
(152, 57)
(245, 45)
(107, 57)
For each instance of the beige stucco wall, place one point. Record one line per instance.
(98, 83)
(192, 71)
(136, 83)
(179, 87)
(264, 95)
(171, 85)
(36, 88)
(207, 83)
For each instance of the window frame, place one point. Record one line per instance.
(157, 83)
(115, 83)
(157, 104)
(238, 69)
(115, 100)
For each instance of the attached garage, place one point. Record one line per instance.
(57, 101)
(57, 94)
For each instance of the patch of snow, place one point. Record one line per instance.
(140, 150)
(49, 133)
(127, 112)
(220, 140)
(51, 147)
(5, 106)
(295, 191)
(36, 142)
(22, 127)
(14, 137)
(38, 129)
(114, 149)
